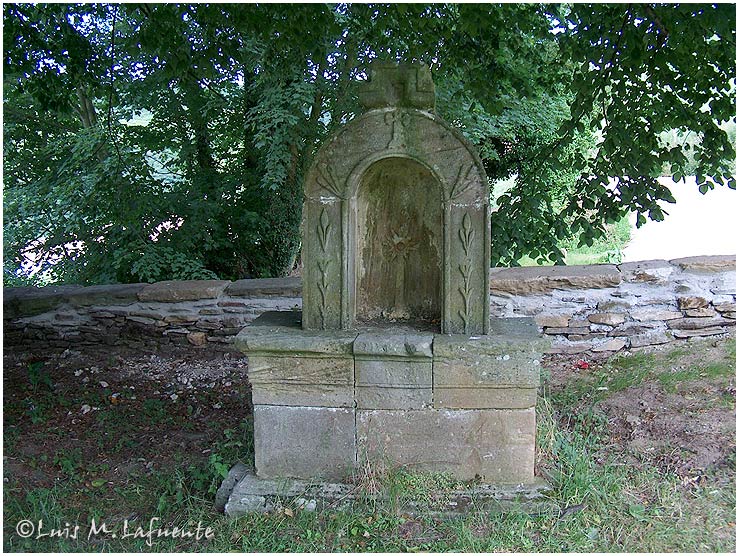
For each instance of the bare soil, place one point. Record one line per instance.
(60, 402)
(686, 427)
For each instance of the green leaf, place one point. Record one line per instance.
(637, 511)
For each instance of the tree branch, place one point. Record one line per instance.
(661, 30)
(110, 93)
(606, 78)
(315, 109)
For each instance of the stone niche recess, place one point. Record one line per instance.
(394, 358)
(396, 217)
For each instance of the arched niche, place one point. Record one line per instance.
(399, 244)
(347, 202)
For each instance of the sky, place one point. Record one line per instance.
(697, 225)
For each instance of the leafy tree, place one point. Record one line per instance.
(646, 69)
(145, 142)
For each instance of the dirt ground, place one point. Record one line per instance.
(682, 424)
(54, 399)
(60, 401)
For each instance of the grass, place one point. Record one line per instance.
(605, 505)
(625, 371)
(607, 250)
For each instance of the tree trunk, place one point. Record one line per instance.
(89, 118)
(196, 106)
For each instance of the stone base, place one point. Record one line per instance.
(394, 396)
(494, 445)
(244, 493)
(304, 442)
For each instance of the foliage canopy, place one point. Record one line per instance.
(156, 141)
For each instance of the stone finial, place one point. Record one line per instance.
(401, 85)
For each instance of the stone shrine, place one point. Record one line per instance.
(394, 358)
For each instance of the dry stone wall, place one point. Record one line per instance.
(197, 312)
(604, 308)
(581, 308)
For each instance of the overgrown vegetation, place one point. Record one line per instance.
(152, 141)
(623, 372)
(609, 497)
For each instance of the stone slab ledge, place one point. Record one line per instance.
(706, 263)
(242, 492)
(544, 279)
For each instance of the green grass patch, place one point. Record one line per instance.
(611, 508)
(671, 379)
(668, 368)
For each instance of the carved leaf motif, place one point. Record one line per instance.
(328, 182)
(466, 234)
(463, 182)
(466, 270)
(323, 290)
(463, 315)
(323, 229)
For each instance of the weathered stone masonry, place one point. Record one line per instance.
(582, 308)
(608, 308)
(198, 312)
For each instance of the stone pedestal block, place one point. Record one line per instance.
(489, 372)
(456, 404)
(301, 380)
(496, 445)
(295, 367)
(393, 370)
(303, 442)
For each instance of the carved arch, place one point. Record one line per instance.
(331, 188)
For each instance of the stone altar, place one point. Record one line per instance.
(394, 358)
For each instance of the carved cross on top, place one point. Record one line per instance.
(398, 121)
(402, 85)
